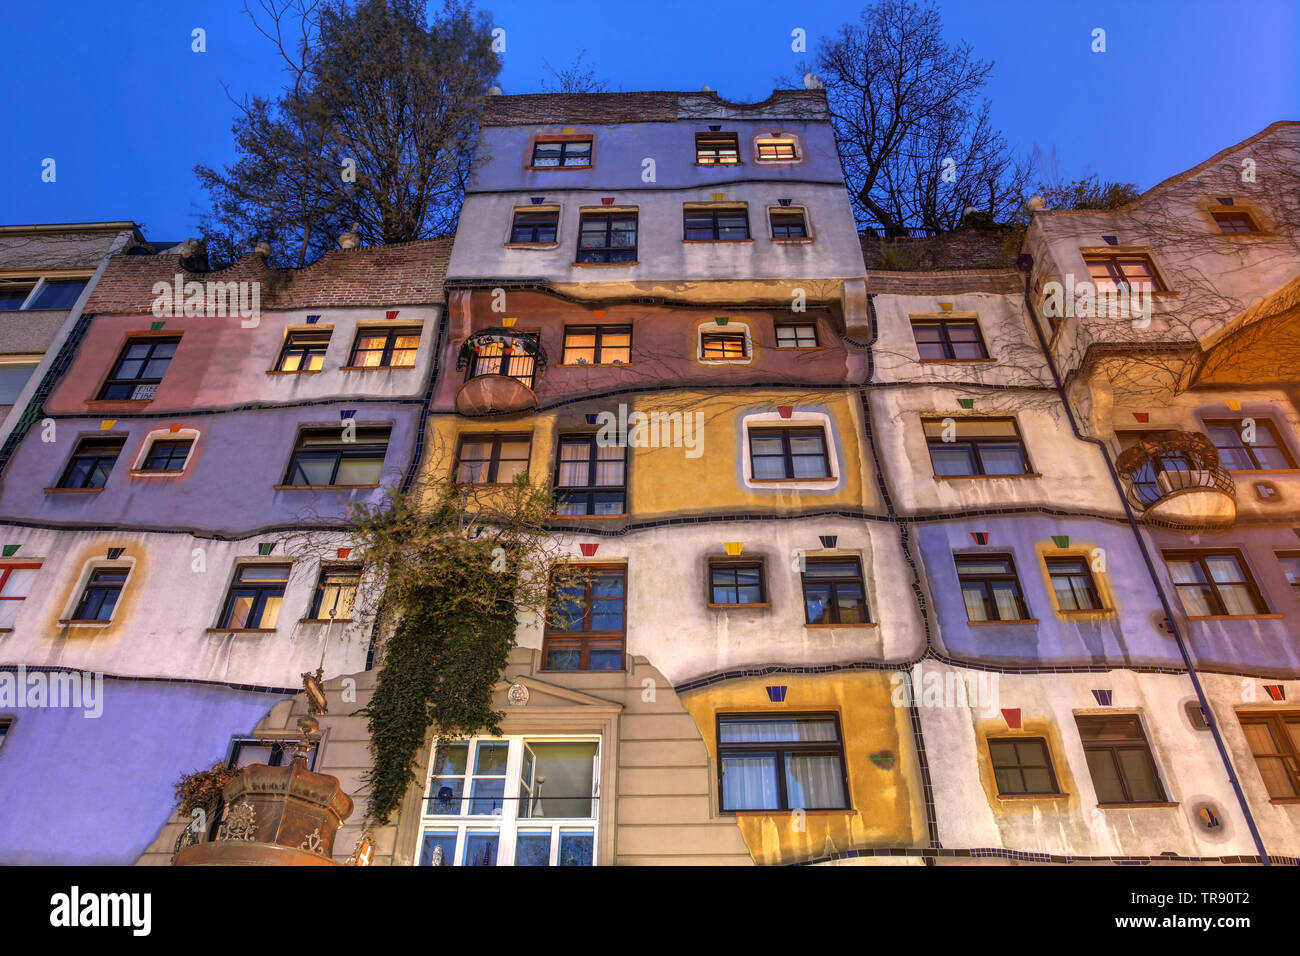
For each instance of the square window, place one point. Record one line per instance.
(1022, 766)
(1274, 740)
(608, 237)
(736, 583)
(834, 592)
(723, 346)
(801, 336)
(777, 149)
(788, 224)
(716, 149)
(1122, 271)
(385, 348)
(139, 369)
(531, 227)
(788, 454)
(303, 352)
(92, 462)
(1119, 759)
(103, 588)
(990, 587)
(1072, 581)
(1265, 451)
(490, 459)
(255, 595)
(167, 455)
(781, 762)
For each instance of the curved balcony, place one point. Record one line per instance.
(1176, 480)
(500, 368)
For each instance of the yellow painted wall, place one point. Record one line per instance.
(887, 809)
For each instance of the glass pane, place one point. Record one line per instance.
(445, 796)
(576, 847)
(1143, 785)
(19, 582)
(240, 606)
(817, 601)
(270, 610)
(1105, 778)
(852, 604)
(1224, 568)
(605, 659)
(814, 781)
(952, 459)
(438, 849)
(58, 294)
(533, 849)
(972, 594)
(491, 758)
(12, 379)
(487, 798)
(480, 849)
(563, 781)
(749, 782)
(359, 471)
(563, 659)
(258, 573)
(312, 469)
(1002, 459)
(451, 759)
(763, 730)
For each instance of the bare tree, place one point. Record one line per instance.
(573, 78)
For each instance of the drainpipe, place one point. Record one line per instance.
(1026, 265)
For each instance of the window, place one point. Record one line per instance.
(103, 588)
(586, 627)
(566, 153)
(777, 149)
(1119, 760)
(597, 344)
(303, 352)
(1072, 581)
(990, 588)
(321, 458)
(948, 339)
(336, 593)
(490, 358)
(785, 762)
(607, 237)
(788, 224)
(1274, 740)
(13, 378)
(716, 223)
(91, 463)
(5, 724)
(736, 582)
(716, 149)
(167, 455)
(590, 477)
(1290, 561)
(1214, 583)
(58, 294)
(786, 454)
(833, 591)
(1234, 222)
(273, 753)
(14, 292)
(532, 227)
(1022, 766)
(492, 459)
(1122, 271)
(517, 801)
(15, 584)
(1265, 453)
(385, 348)
(978, 446)
(723, 346)
(796, 336)
(139, 370)
(255, 596)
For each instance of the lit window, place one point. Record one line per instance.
(385, 348)
(336, 593)
(777, 149)
(303, 352)
(322, 458)
(716, 149)
(255, 596)
(564, 153)
(1122, 271)
(597, 344)
(723, 346)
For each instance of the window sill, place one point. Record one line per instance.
(1235, 617)
(691, 242)
(958, 361)
(594, 365)
(1086, 612)
(585, 517)
(1033, 796)
(843, 626)
(73, 491)
(1028, 474)
(737, 607)
(146, 473)
(800, 348)
(1285, 801)
(554, 169)
(719, 165)
(301, 371)
(1264, 471)
(1019, 620)
(532, 245)
(77, 622)
(1134, 806)
(320, 487)
(805, 240)
(240, 630)
(774, 810)
(376, 368)
(768, 481)
(606, 264)
(323, 620)
(95, 402)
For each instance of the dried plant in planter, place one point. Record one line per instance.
(200, 788)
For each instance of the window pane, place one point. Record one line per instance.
(19, 582)
(12, 379)
(58, 294)
(762, 730)
(438, 849)
(359, 471)
(491, 758)
(813, 781)
(1002, 459)
(1105, 778)
(952, 459)
(576, 847)
(487, 797)
(533, 849)
(480, 849)
(749, 782)
(445, 796)
(1143, 785)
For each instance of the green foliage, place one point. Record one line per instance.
(1088, 193)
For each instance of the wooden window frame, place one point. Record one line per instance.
(263, 591)
(340, 450)
(1276, 722)
(604, 255)
(599, 332)
(1234, 425)
(1222, 216)
(588, 490)
(701, 150)
(733, 565)
(833, 605)
(566, 143)
(1092, 591)
(945, 339)
(113, 381)
(318, 594)
(586, 639)
(390, 335)
(985, 580)
(723, 338)
(79, 455)
(496, 440)
(974, 444)
(1217, 606)
(1020, 767)
(1115, 263)
(304, 344)
(788, 211)
(552, 215)
(786, 431)
(797, 326)
(782, 750)
(713, 212)
(1113, 747)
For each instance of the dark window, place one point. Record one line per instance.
(938, 339)
(1233, 222)
(168, 455)
(1119, 759)
(979, 446)
(336, 593)
(1290, 561)
(721, 346)
(533, 226)
(1274, 740)
(58, 294)
(14, 292)
(385, 348)
(781, 762)
(5, 724)
(1214, 583)
(1021, 766)
(255, 596)
(1159, 473)
(1122, 272)
(1072, 581)
(990, 588)
(786, 454)
(139, 369)
(718, 223)
(322, 457)
(597, 344)
(833, 591)
(99, 598)
(91, 463)
(716, 149)
(736, 582)
(573, 152)
(1265, 453)
(587, 624)
(796, 336)
(272, 753)
(303, 352)
(491, 359)
(591, 478)
(777, 148)
(492, 459)
(788, 224)
(607, 237)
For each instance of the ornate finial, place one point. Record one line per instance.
(263, 249)
(351, 239)
(314, 687)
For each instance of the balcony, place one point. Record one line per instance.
(1175, 479)
(500, 368)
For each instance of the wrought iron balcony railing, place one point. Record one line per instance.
(1173, 465)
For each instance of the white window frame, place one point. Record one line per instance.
(507, 825)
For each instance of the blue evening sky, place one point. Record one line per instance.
(112, 92)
